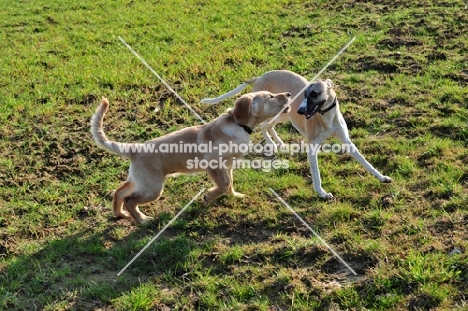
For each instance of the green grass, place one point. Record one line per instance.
(403, 91)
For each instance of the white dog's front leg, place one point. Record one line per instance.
(360, 158)
(313, 160)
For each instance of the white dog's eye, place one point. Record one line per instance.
(314, 94)
(271, 96)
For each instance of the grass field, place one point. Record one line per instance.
(403, 91)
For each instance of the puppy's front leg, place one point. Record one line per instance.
(312, 156)
(233, 192)
(222, 183)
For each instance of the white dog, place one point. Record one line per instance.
(316, 115)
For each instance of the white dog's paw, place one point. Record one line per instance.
(326, 196)
(385, 179)
(281, 147)
(270, 149)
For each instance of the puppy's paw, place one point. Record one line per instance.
(144, 219)
(238, 194)
(385, 179)
(207, 199)
(122, 214)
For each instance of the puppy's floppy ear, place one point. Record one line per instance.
(329, 83)
(242, 110)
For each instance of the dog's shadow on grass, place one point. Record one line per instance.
(80, 270)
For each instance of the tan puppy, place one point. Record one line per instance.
(151, 162)
(316, 115)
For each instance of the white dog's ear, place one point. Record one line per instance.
(242, 109)
(329, 83)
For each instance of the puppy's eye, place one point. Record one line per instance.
(271, 96)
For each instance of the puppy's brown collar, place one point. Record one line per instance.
(246, 128)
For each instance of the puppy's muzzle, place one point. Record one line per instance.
(286, 108)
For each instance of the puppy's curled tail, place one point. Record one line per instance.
(100, 137)
(228, 94)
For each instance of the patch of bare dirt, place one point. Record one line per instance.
(461, 77)
(449, 132)
(388, 64)
(398, 42)
(354, 121)
(301, 31)
(358, 262)
(423, 301)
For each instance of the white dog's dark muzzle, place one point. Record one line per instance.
(310, 109)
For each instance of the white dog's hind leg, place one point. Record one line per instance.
(276, 138)
(266, 128)
(269, 129)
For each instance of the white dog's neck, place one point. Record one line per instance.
(330, 107)
(330, 112)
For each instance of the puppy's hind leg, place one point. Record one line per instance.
(149, 194)
(117, 203)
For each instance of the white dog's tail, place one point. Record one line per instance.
(99, 136)
(228, 94)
